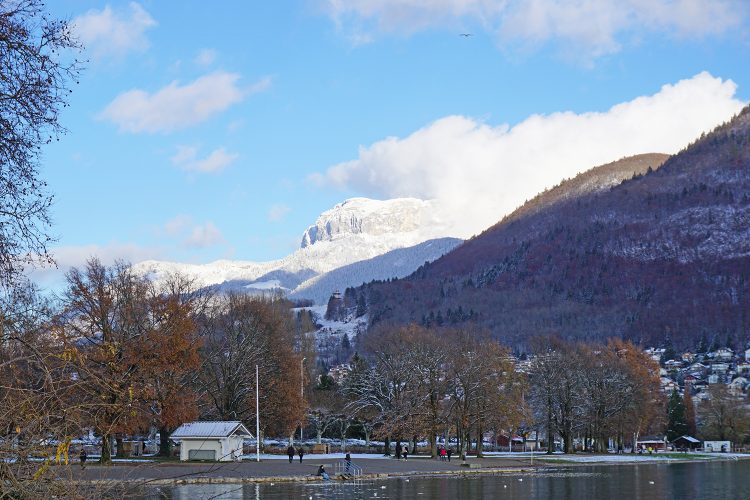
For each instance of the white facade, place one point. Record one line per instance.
(213, 441)
(714, 446)
(214, 449)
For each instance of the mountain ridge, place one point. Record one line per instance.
(345, 237)
(660, 255)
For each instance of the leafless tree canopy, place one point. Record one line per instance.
(36, 70)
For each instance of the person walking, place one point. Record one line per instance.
(83, 456)
(449, 453)
(290, 452)
(300, 453)
(442, 453)
(405, 452)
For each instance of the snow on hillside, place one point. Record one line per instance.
(330, 333)
(344, 238)
(394, 264)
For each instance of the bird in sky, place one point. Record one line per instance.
(467, 35)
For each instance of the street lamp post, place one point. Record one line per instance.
(257, 417)
(302, 394)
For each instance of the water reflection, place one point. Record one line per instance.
(645, 481)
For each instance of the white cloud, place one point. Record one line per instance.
(278, 211)
(203, 236)
(178, 106)
(114, 33)
(177, 225)
(480, 172)
(591, 27)
(187, 159)
(190, 234)
(205, 57)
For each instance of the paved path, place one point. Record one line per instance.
(281, 469)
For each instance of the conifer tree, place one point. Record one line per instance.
(676, 422)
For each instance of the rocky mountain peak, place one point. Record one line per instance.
(370, 217)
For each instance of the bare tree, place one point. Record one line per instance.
(241, 333)
(724, 415)
(557, 383)
(38, 415)
(36, 71)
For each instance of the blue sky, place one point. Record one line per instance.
(221, 130)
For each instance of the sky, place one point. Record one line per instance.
(221, 130)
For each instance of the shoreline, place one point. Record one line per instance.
(242, 473)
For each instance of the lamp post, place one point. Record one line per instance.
(257, 417)
(301, 393)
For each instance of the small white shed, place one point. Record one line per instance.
(218, 441)
(720, 446)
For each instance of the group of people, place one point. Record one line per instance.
(444, 453)
(300, 452)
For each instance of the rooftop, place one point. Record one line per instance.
(211, 429)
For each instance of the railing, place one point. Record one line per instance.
(348, 470)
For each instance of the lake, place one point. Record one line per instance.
(686, 481)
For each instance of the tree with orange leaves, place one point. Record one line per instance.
(170, 357)
(105, 323)
(644, 410)
(133, 346)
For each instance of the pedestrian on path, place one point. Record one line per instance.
(290, 452)
(83, 456)
(449, 452)
(442, 454)
(301, 454)
(405, 451)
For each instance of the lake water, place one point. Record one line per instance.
(686, 481)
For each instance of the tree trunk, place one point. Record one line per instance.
(433, 445)
(367, 436)
(120, 447)
(106, 457)
(398, 447)
(460, 441)
(414, 445)
(387, 446)
(165, 445)
(480, 444)
(320, 436)
(550, 431)
(567, 442)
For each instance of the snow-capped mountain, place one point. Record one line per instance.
(335, 252)
(408, 220)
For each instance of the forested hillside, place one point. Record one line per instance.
(662, 254)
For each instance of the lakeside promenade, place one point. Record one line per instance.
(280, 470)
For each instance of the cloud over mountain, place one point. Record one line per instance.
(479, 172)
